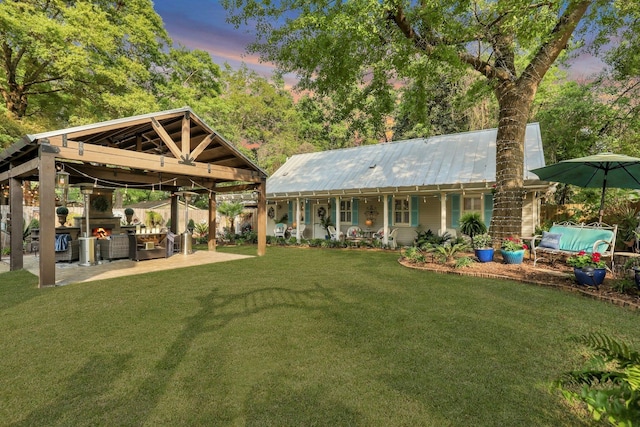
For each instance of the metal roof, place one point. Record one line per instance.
(446, 160)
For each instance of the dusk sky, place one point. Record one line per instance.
(200, 24)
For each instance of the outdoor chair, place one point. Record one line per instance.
(280, 230)
(333, 234)
(391, 238)
(354, 232)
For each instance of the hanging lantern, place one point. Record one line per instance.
(62, 177)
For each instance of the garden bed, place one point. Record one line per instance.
(557, 275)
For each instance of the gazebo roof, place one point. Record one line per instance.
(174, 146)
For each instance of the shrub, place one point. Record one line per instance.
(62, 210)
(480, 241)
(464, 261)
(471, 224)
(413, 254)
(447, 251)
(129, 211)
(610, 384)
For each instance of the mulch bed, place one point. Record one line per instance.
(557, 275)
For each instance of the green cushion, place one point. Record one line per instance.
(581, 239)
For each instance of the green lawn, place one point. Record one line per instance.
(297, 337)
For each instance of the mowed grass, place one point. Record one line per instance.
(297, 337)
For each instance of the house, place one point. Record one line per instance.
(412, 185)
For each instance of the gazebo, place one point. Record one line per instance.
(170, 150)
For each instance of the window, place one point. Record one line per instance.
(472, 204)
(345, 211)
(401, 211)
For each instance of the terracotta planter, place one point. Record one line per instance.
(512, 257)
(62, 219)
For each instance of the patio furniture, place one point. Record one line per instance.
(115, 247)
(280, 230)
(568, 238)
(354, 232)
(333, 234)
(391, 238)
(67, 249)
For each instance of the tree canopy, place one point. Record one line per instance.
(359, 51)
(97, 48)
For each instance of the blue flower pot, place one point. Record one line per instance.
(590, 278)
(512, 257)
(484, 255)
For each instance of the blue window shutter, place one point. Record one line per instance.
(307, 212)
(455, 210)
(354, 212)
(390, 206)
(415, 214)
(488, 209)
(291, 217)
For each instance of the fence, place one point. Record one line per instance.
(559, 212)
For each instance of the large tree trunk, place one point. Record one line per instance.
(515, 101)
(15, 100)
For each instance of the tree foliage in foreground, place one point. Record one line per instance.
(358, 50)
(90, 49)
(610, 383)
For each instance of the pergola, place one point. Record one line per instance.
(170, 150)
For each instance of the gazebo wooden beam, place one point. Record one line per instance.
(135, 160)
(24, 169)
(236, 188)
(123, 176)
(166, 138)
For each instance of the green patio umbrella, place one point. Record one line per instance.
(600, 170)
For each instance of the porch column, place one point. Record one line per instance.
(47, 247)
(297, 220)
(16, 213)
(385, 218)
(213, 226)
(337, 201)
(262, 217)
(443, 213)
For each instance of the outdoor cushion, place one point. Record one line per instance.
(550, 240)
(576, 239)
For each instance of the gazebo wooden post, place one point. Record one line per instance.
(16, 212)
(262, 217)
(175, 216)
(211, 241)
(47, 217)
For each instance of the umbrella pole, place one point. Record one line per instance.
(604, 188)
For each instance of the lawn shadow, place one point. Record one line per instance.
(17, 287)
(214, 314)
(86, 390)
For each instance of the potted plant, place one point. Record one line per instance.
(128, 213)
(471, 224)
(482, 247)
(512, 250)
(589, 268)
(62, 212)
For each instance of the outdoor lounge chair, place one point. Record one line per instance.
(333, 234)
(280, 230)
(391, 238)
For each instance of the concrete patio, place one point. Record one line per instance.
(67, 273)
